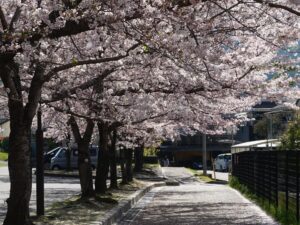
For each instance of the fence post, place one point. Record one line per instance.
(297, 185)
(255, 173)
(276, 177)
(233, 164)
(286, 184)
(269, 184)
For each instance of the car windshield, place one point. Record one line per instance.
(228, 157)
(221, 157)
(62, 153)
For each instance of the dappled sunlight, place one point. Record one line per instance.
(193, 203)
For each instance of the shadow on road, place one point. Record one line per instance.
(195, 213)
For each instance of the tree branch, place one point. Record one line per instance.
(278, 6)
(58, 69)
(66, 93)
(75, 128)
(88, 131)
(246, 73)
(14, 18)
(35, 92)
(3, 20)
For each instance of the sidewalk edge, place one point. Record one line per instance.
(116, 213)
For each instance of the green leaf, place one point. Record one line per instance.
(74, 61)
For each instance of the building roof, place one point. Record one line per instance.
(186, 148)
(250, 145)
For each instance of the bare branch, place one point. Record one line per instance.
(73, 42)
(247, 72)
(278, 6)
(224, 11)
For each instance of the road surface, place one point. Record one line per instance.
(194, 203)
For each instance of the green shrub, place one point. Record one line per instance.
(151, 151)
(3, 156)
(291, 137)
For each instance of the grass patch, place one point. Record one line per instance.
(3, 164)
(199, 174)
(3, 156)
(151, 166)
(278, 213)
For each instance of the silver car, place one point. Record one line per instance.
(59, 161)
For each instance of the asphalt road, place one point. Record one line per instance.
(56, 189)
(194, 203)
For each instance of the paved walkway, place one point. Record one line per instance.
(194, 203)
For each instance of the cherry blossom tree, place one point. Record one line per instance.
(194, 52)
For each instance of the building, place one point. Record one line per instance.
(189, 148)
(4, 128)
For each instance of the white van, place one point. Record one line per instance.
(59, 161)
(223, 162)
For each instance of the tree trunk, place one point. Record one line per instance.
(113, 161)
(68, 155)
(128, 155)
(103, 159)
(19, 144)
(84, 159)
(85, 170)
(20, 177)
(122, 163)
(138, 159)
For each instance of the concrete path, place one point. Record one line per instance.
(219, 175)
(194, 203)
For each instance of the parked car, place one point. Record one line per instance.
(222, 162)
(48, 156)
(59, 161)
(197, 166)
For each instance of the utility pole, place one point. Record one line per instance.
(270, 135)
(204, 154)
(39, 166)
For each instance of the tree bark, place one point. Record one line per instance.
(68, 156)
(122, 164)
(113, 161)
(85, 170)
(68, 151)
(138, 158)
(84, 159)
(20, 177)
(103, 159)
(128, 155)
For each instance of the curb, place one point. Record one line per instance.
(47, 174)
(116, 213)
